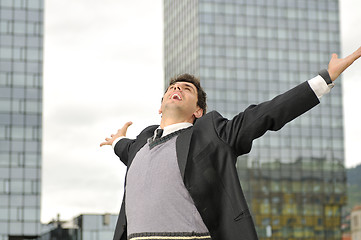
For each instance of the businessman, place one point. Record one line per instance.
(181, 180)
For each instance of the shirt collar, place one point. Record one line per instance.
(174, 127)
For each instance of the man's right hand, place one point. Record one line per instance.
(121, 133)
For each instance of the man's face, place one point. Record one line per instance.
(181, 98)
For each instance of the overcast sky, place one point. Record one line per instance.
(102, 67)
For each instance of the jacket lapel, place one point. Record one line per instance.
(140, 142)
(182, 148)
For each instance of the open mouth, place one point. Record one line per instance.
(176, 96)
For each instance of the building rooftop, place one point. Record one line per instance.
(356, 208)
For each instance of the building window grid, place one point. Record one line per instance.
(296, 61)
(9, 183)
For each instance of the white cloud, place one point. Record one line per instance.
(102, 67)
(350, 41)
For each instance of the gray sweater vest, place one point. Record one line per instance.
(156, 200)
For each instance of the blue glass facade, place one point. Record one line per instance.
(83, 227)
(21, 46)
(246, 52)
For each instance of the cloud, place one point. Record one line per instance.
(350, 41)
(102, 67)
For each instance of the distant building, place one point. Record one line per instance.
(297, 199)
(346, 226)
(21, 85)
(246, 52)
(356, 223)
(83, 227)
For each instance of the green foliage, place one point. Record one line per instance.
(354, 175)
(353, 187)
(353, 196)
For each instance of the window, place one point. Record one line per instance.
(35, 4)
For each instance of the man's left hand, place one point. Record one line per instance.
(337, 65)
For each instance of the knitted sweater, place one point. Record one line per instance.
(156, 200)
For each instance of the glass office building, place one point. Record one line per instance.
(83, 227)
(21, 45)
(246, 52)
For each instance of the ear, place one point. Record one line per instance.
(198, 113)
(160, 107)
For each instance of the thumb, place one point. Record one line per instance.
(334, 56)
(124, 129)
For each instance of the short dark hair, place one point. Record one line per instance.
(202, 96)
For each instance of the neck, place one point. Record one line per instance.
(170, 121)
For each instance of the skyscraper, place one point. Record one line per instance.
(246, 52)
(21, 46)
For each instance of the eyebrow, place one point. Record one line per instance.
(189, 85)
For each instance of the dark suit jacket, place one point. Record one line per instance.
(207, 153)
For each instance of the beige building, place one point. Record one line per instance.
(356, 223)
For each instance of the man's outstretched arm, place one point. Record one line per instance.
(272, 115)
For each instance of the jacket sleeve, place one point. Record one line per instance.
(121, 149)
(127, 148)
(272, 115)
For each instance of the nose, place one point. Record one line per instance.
(177, 87)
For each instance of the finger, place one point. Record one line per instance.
(107, 142)
(124, 129)
(127, 124)
(357, 53)
(353, 57)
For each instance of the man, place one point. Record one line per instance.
(181, 180)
